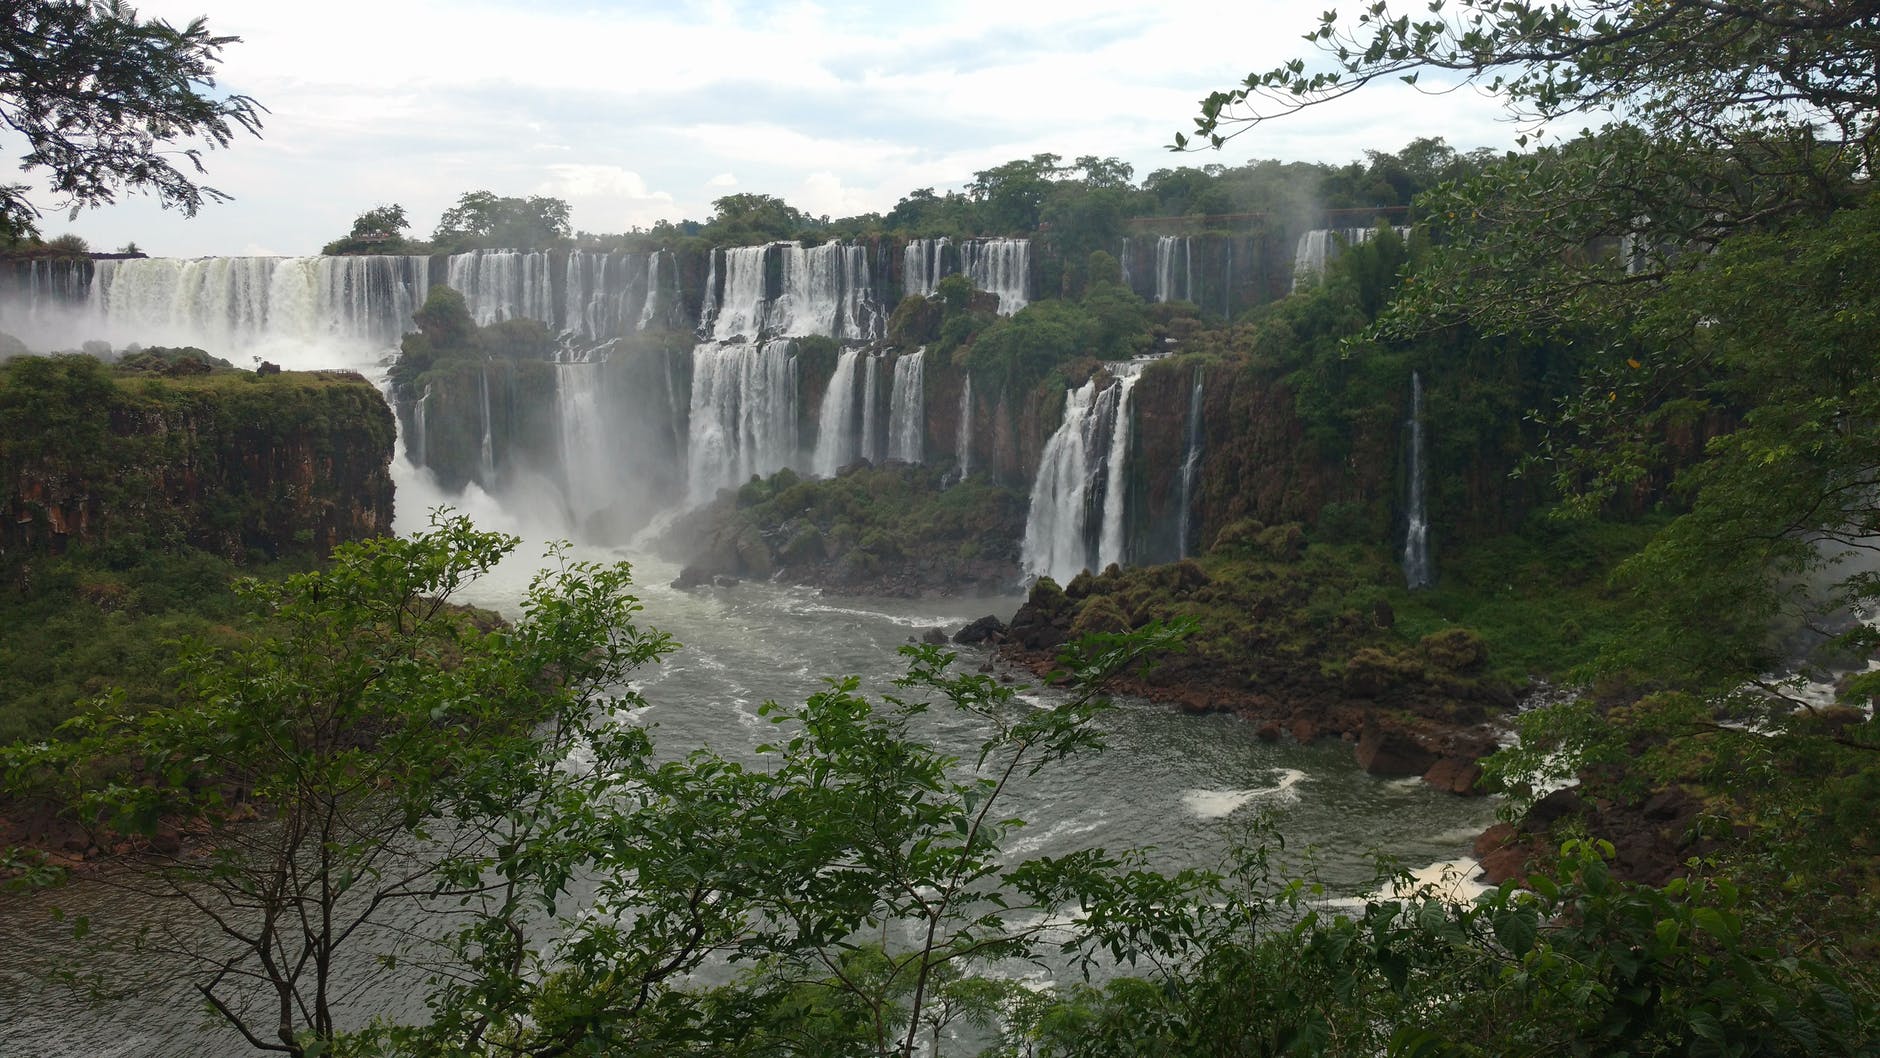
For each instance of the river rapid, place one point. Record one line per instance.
(1190, 787)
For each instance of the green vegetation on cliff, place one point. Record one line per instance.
(896, 529)
(231, 462)
(134, 494)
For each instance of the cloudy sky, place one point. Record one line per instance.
(634, 112)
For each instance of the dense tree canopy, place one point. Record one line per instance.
(484, 220)
(102, 97)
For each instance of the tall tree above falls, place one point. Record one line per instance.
(103, 97)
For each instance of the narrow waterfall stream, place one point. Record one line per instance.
(1416, 538)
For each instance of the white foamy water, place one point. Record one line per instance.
(1217, 804)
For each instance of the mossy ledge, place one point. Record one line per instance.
(161, 452)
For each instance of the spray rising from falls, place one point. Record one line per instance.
(1416, 543)
(907, 409)
(1079, 498)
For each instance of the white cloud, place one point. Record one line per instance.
(839, 106)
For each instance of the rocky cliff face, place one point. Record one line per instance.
(230, 462)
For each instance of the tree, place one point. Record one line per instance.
(377, 230)
(745, 218)
(101, 95)
(1677, 68)
(368, 746)
(483, 220)
(1011, 196)
(1726, 116)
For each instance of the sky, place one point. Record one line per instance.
(637, 112)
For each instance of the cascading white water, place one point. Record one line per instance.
(907, 409)
(1191, 468)
(1110, 547)
(1416, 541)
(922, 261)
(1078, 500)
(415, 443)
(302, 312)
(492, 283)
(655, 298)
(741, 309)
(835, 423)
(1320, 246)
(825, 291)
(487, 471)
(871, 400)
(586, 461)
(1002, 267)
(963, 443)
(743, 415)
(1174, 269)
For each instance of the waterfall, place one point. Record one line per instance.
(963, 443)
(1416, 540)
(826, 290)
(649, 307)
(1174, 269)
(907, 409)
(415, 450)
(294, 310)
(835, 423)
(487, 474)
(742, 417)
(922, 261)
(708, 308)
(1319, 247)
(1002, 267)
(1191, 467)
(585, 459)
(871, 400)
(741, 307)
(237, 307)
(1083, 472)
(492, 283)
(1116, 481)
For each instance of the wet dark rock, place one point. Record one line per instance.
(988, 629)
(1457, 775)
(1387, 751)
(1556, 805)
